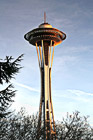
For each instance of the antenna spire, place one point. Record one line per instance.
(44, 17)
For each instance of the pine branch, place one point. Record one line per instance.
(8, 69)
(6, 96)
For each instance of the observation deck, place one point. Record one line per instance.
(46, 33)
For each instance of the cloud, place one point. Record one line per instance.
(71, 94)
(27, 87)
(25, 99)
(74, 49)
(80, 93)
(75, 95)
(30, 109)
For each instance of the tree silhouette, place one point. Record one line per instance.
(24, 127)
(8, 69)
(74, 127)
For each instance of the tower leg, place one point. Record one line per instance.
(52, 122)
(41, 120)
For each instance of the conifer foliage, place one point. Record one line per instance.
(8, 68)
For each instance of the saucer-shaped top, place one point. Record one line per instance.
(46, 33)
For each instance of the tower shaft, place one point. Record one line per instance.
(45, 38)
(46, 115)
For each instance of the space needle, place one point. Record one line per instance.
(45, 38)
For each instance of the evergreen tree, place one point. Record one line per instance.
(8, 68)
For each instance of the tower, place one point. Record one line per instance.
(45, 38)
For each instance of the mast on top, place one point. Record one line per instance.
(44, 17)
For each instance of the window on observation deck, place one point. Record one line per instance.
(59, 36)
(43, 33)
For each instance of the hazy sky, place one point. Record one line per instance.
(72, 71)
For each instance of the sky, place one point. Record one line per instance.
(72, 71)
